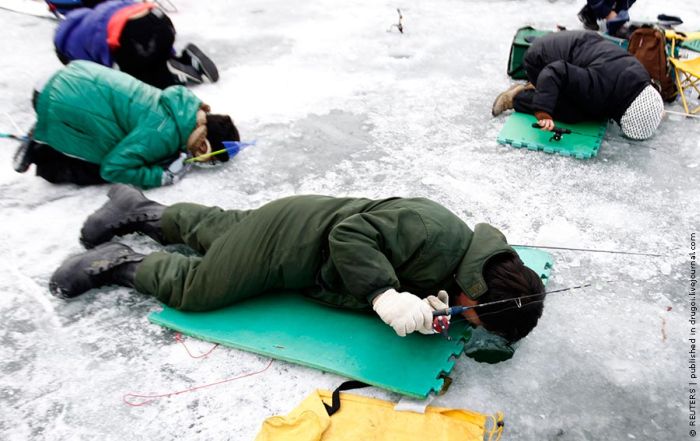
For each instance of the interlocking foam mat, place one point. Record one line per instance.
(583, 143)
(360, 346)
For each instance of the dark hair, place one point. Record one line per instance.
(507, 278)
(220, 128)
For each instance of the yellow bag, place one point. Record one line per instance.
(361, 418)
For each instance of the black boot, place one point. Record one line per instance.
(199, 60)
(111, 263)
(127, 211)
(588, 18)
(24, 156)
(184, 73)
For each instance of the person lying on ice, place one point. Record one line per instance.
(394, 255)
(138, 37)
(96, 125)
(578, 76)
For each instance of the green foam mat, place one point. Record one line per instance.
(583, 143)
(289, 327)
(623, 43)
(539, 261)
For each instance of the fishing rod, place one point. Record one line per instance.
(671, 112)
(558, 132)
(12, 136)
(230, 147)
(590, 250)
(441, 321)
(454, 310)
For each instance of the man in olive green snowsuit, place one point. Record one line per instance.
(394, 255)
(96, 124)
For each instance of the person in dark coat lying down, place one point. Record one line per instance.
(402, 257)
(577, 76)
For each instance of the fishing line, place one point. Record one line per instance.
(461, 308)
(681, 114)
(12, 121)
(590, 250)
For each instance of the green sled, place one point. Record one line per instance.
(521, 43)
(287, 326)
(583, 143)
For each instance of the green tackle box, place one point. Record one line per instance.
(522, 41)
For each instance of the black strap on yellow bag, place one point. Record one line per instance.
(335, 400)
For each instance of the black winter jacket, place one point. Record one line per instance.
(581, 68)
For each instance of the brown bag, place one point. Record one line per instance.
(648, 45)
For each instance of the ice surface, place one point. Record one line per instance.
(340, 106)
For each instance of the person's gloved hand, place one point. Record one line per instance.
(176, 170)
(441, 301)
(404, 312)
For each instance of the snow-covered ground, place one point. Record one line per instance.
(340, 106)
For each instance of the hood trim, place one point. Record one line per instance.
(486, 243)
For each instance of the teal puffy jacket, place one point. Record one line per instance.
(109, 118)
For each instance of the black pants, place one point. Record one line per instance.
(616, 6)
(146, 44)
(58, 168)
(565, 111)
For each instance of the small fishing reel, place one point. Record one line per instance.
(557, 132)
(441, 325)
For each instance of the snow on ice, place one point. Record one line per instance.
(341, 106)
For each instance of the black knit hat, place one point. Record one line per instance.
(220, 128)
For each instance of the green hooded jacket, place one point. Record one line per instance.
(339, 251)
(107, 117)
(413, 245)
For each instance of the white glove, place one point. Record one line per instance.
(404, 312)
(176, 170)
(442, 301)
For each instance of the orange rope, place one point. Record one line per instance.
(178, 338)
(151, 398)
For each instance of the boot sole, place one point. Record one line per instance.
(105, 222)
(21, 159)
(182, 72)
(497, 103)
(206, 64)
(110, 194)
(116, 255)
